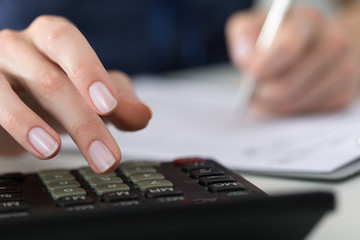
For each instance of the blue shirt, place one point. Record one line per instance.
(138, 36)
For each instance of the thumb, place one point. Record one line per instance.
(131, 114)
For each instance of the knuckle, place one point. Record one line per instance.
(43, 20)
(7, 39)
(79, 68)
(13, 119)
(82, 129)
(59, 26)
(50, 84)
(57, 32)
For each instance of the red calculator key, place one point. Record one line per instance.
(183, 161)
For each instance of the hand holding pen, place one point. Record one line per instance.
(309, 66)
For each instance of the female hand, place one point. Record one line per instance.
(50, 77)
(311, 66)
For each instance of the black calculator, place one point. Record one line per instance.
(185, 197)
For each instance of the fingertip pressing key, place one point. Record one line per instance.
(101, 156)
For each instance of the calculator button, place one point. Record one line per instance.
(104, 180)
(91, 174)
(7, 182)
(215, 179)
(162, 192)
(9, 189)
(127, 164)
(57, 177)
(183, 161)
(53, 171)
(74, 200)
(64, 192)
(203, 172)
(62, 184)
(119, 196)
(136, 170)
(111, 187)
(144, 185)
(197, 165)
(226, 187)
(146, 176)
(13, 206)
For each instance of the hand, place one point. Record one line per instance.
(310, 67)
(50, 77)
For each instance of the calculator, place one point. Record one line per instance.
(184, 197)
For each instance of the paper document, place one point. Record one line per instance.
(196, 117)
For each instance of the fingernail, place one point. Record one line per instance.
(102, 97)
(101, 156)
(43, 141)
(242, 50)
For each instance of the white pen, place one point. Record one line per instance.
(274, 18)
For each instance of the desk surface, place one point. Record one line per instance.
(343, 223)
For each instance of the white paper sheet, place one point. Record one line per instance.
(197, 117)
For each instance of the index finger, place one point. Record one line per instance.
(64, 44)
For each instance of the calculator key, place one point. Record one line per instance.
(183, 161)
(62, 184)
(7, 197)
(226, 187)
(64, 192)
(74, 200)
(112, 187)
(7, 182)
(144, 185)
(146, 176)
(57, 177)
(197, 165)
(13, 206)
(95, 181)
(215, 179)
(135, 163)
(162, 192)
(91, 174)
(9, 189)
(52, 172)
(136, 170)
(203, 172)
(119, 196)
(84, 169)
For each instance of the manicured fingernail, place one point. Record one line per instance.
(101, 156)
(43, 141)
(102, 97)
(242, 50)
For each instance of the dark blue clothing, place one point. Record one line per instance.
(139, 36)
